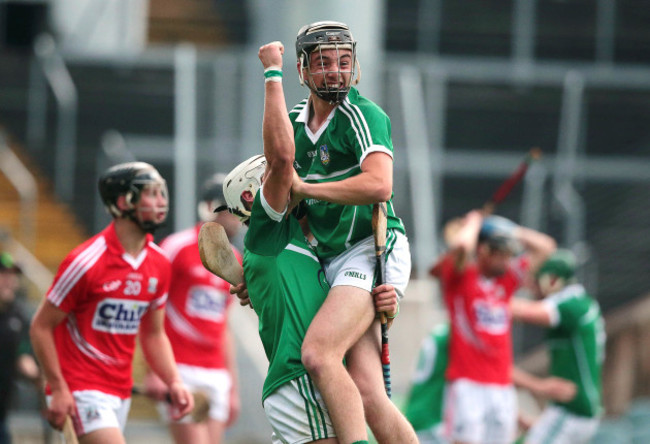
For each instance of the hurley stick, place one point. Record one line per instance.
(217, 255)
(379, 215)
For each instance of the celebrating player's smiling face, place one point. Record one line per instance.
(331, 68)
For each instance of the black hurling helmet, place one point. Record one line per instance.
(211, 196)
(129, 179)
(320, 36)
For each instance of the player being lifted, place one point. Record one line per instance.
(286, 283)
(576, 340)
(344, 160)
(478, 276)
(108, 290)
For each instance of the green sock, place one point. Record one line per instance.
(360, 442)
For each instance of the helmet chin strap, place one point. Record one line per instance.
(148, 226)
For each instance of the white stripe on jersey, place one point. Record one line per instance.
(585, 375)
(464, 325)
(85, 347)
(358, 123)
(299, 106)
(331, 175)
(154, 246)
(375, 149)
(591, 315)
(301, 250)
(352, 227)
(176, 242)
(360, 139)
(75, 270)
(183, 327)
(158, 302)
(554, 300)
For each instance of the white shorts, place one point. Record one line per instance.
(98, 410)
(480, 413)
(216, 384)
(433, 435)
(558, 426)
(297, 413)
(356, 266)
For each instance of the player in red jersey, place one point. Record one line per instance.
(108, 290)
(478, 276)
(196, 323)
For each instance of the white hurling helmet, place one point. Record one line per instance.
(247, 176)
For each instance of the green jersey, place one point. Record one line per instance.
(577, 342)
(356, 128)
(424, 405)
(286, 285)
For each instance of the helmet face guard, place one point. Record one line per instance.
(316, 38)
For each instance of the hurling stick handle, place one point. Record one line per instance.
(379, 227)
(140, 391)
(69, 434)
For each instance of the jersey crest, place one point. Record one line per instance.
(324, 155)
(153, 285)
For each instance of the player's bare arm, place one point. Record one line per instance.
(279, 148)
(41, 333)
(463, 244)
(539, 246)
(231, 362)
(374, 184)
(159, 356)
(532, 312)
(553, 388)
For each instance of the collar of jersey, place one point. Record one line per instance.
(114, 246)
(303, 117)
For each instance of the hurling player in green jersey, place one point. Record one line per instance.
(576, 341)
(424, 404)
(344, 165)
(286, 284)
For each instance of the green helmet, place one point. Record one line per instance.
(562, 264)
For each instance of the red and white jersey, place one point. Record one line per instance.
(195, 316)
(479, 310)
(105, 292)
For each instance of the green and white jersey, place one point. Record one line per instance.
(424, 405)
(355, 128)
(577, 346)
(286, 285)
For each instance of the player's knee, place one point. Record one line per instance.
(313, 360)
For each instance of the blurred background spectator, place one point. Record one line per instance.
(15, 349)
